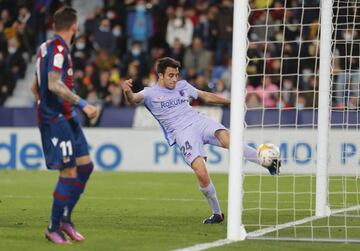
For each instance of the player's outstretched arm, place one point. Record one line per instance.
(59, 88)
(133, 98)
(35, 90)
(211, 98)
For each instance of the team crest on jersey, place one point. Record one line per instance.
(160, 98)
(60, 48)
(54, 141)
(182, 93)
(70, 72)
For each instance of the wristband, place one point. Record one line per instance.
(82, 103)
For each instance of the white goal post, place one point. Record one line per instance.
(321, 203)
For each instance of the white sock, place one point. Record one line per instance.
(250, 154)
(210, 194)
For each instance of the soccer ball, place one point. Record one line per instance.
(266, 153)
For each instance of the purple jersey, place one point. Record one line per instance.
(54, 55)
(171, 107)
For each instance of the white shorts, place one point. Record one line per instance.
(192, 139)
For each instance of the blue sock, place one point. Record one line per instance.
(83, 174)
(61, 197)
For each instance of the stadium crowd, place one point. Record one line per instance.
(123, 39)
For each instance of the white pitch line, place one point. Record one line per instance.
(267, 230)
(208, 245)
(264, 231)
(104, 198)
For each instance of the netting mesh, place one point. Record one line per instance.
(282, 106)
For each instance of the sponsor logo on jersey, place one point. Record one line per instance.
(58, 60)
(172, 102)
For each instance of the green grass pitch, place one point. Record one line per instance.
(147, 211)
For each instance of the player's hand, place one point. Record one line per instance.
(91, 111)
(126, 85)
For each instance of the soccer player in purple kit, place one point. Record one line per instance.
(168, 101)
(64, 145)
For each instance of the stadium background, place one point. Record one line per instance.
(114, 44)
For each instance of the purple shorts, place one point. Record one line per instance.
(192, 139)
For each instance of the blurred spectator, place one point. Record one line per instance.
(301, 102)
(311, 94)
(139, 25)
(104, 61)
(206, 28)
(224, 22)
(179, 27)
(220, 89)
(3, 43)
(177, 50)
(26, 31)
(94, 99)
(227, 73)
(15, 64)
(261, 4)
(196, 59)
(120, 40)
(290, 59)
(136, 54)
(268, 92)
(93, 21)
(115, 97)
(253, 101)
(5, 18)
(81, 52)
(255, 65)
(288, 93)
(85, 80)
(263, 27)
(348, 68)
(102, 87)
(4, 83)
(104, 38)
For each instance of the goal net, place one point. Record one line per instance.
(302, 93)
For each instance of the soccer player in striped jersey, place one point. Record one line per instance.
(168, 101)
(64, 145)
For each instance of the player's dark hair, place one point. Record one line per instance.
(64, 18)
(166, 62)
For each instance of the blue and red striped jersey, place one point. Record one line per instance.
(54, 55)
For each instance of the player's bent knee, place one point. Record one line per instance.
(200, 170)
(223, 136)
